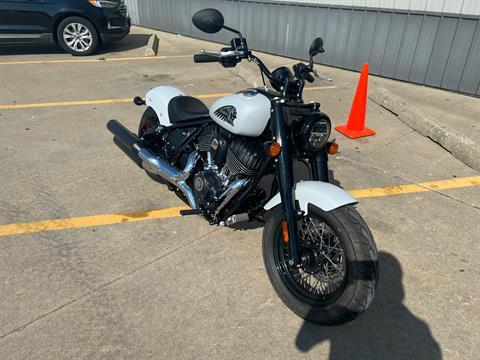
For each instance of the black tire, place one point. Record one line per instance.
(85, 41)
(360, 277)
(149, 119)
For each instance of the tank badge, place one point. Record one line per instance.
(226, 113)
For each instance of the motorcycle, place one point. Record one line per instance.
(318, 252)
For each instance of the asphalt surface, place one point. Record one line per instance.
(177, 288)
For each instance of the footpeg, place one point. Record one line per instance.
(237, 218)
(190, 212)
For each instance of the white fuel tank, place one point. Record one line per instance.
(158, 99)
(245, 113)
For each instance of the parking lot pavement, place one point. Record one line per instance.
(178, 288)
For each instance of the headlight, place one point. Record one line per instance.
(104, 3)
(314, 132)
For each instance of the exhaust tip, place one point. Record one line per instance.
(129, 139)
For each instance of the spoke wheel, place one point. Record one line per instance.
(338, 270)
(323, 271)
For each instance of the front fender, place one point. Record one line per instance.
(321, 194)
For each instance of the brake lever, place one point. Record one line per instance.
(320, 76)
(209, 52)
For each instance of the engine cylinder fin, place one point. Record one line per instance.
(244, 156)
(206, 137)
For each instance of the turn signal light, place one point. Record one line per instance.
(274, 149)
(332, 148)
(285, 231)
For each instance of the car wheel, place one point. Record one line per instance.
(77, 36)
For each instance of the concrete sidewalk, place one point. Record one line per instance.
(451, 120)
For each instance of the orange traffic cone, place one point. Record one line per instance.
(355, 127)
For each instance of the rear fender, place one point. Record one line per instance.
(158, 99)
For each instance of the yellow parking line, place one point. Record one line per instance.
(116, 101)
(420, 187)
(109, 219)
(313, 88)
(65, 103)
(93, 60)
(88, 221)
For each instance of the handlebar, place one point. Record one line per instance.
(206, 57)
(228, 57)
(231, 56)
(309, 78)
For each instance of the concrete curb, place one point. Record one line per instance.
(152, 45)
(459, 145)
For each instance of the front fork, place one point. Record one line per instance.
(319, 164)
(286, 179)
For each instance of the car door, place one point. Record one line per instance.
(24, 21)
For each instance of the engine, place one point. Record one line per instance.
(207, 186)
(230, 163)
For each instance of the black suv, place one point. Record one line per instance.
(78, 26)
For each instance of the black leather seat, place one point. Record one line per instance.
(186, 109)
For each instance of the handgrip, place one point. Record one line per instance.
(309, 77)
(204, 58)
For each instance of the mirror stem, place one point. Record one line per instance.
(239, 35)
(232, 30)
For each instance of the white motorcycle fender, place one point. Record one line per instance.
(158, 99)
(321, 194)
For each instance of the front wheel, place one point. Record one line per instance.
(339, 269)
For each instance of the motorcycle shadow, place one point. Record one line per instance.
(387, 330)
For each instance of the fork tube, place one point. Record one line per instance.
(285, 176)
(319, 164)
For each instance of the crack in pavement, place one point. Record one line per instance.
(143, 76)
(88, 294)
(390, 142)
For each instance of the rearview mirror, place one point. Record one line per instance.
(208, 20)
(316, 47)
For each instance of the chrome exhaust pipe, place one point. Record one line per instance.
(233, 188)
(155, 165)
(135, 147)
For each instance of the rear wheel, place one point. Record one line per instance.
(339, 272)
(149, 120)
(77, 36)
